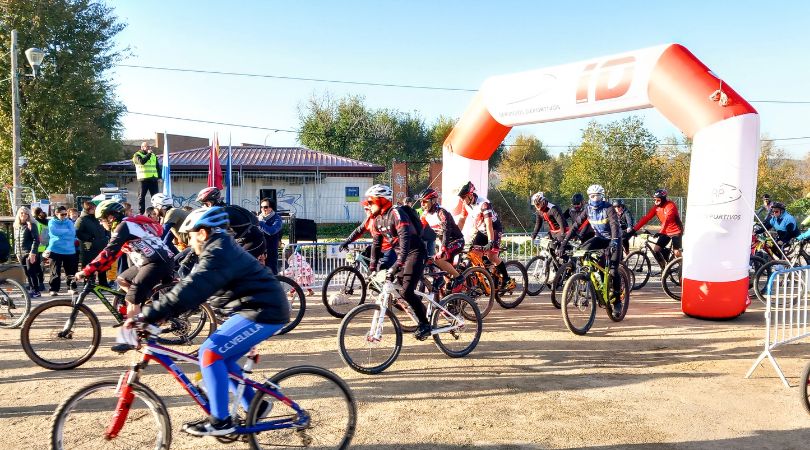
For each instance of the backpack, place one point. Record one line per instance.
(413, 218)
(5, 247)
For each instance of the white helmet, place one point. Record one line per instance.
(537, 198)
(380, 190)
(596, 189)
(160, 200)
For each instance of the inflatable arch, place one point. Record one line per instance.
(725, 150)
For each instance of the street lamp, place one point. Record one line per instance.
(35, 57)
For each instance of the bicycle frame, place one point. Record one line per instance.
(596, 273)
(79, 300)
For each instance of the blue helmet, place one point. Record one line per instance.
(207, 217)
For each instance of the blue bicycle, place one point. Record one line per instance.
(303, 406)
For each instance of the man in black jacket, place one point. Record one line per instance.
(93, 238)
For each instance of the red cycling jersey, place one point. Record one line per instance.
(667, 213)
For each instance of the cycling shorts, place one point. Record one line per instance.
(677, 241)
(482, 239)
(143, 279)
(452, 249)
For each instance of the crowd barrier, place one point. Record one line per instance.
(786, 314)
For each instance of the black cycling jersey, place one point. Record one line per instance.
(245, 227)
(553, 215)
(442, 222)
(395, 226)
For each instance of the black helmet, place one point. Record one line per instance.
(778, 205)
(108, 207)
(577, 199)
(660, 193)
(766, 196)
(466, 188)
(618, 202)
(428, 194)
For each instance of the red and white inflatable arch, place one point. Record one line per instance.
(725, 150)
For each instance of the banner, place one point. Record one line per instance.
(167, 174)
(214, 167)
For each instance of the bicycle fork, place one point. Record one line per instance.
(125, 398)
(375, 333)
(74, 313)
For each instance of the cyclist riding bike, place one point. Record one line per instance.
(605, 223)
(488, 229)
(163, 204)
(239, 283)
(243, 223)
(551, 214)
(396, 225)
(140, 238)
(577, 213)
(671, 227)
(783, 223)
(626, 221)
(443, 224)
(389, 255)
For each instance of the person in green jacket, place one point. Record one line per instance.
(147, 170)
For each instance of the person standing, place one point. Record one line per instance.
(93, 238)
(270, 222)
(26, 246)
(147, 171)
(625, 221)
(61, 250)
(41, 221)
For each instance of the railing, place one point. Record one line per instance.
(786, 314)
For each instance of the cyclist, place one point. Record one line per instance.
(389, 256)
(605, 223)
(139, 237)
(626, 221)
(243, 223)
(488, 229)
(442, 223)
(782, 222)
(237, 281)
(163, 204)
(576, 213)
(671, 227)
(396, 225)
(551, 213)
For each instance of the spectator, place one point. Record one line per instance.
(764, 211)
(93, 238)
(128, 209)
(61, 251)
(42, 230)
(26, 246)
(270, 223)
(73, 214)
(147, 170)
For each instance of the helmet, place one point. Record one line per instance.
(778, 205)
(660, 193)
(618, 202)
(466, 188)
(380, 190)
(596, 189)
(539, 198)
(208, 217)
(209, 194)
(577, 198)
(428, 194)
(160, 200)
(108, 207)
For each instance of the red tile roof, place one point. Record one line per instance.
(276, 159)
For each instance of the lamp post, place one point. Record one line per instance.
(35, 57)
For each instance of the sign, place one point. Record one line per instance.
(399, 181)
(352, 194)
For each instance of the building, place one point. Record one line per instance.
(310, 184)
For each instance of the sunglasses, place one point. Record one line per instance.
(265, 206)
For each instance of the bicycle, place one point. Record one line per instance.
(295, 295)
(797, 255)
(65, 333)
(365, 347)
(541, 268)
(804, 388)
(15, 302)
(638, 262)
(590, 287)
(671, 278)
(299, 406)
(508, 296)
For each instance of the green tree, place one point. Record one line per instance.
(779, 175)
(70, 116)
(526, 167)
(674, 157)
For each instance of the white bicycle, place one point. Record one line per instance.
(368, 346)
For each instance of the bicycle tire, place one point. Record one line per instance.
(537, 271)
(15, 303)
(188, 325)
(348, 284)
(465, 306)
(624, 303)
(298, 302)
(639, 263)
(52, 326)
(804, 388)
(94, 421)
(754, 264)
(478, 285)
(762, 276)
(313, 400)
(362, 323)
(671, 279)
(512, 298)
(575, 287)
(558, 282)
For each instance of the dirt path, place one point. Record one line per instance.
(658, 379)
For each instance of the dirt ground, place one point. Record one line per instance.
(657, 379)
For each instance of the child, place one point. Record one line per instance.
(298, 269)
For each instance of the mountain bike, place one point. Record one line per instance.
(295, 295)
(303, 406)
(804, 388)
(590, 287)
(638, 262)
(367, 345)
(63, 334)
(797, 255)
(510, 293)
(542, 268)
(671, 278)
(15, 302)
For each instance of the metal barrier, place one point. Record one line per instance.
(786, 314)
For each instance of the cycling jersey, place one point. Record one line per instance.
(140, 238)
(480, 210)
(578, 218)
(601, 218)
(667, 213)
(245, 227)
(626, 219)
(553, 215)
(395, 226)
(367, 227)
(784, 225)
(442, 222)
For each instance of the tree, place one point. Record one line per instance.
(778, 175)
(674, 157)
(526, 167)
(618, 155)
(70, 116)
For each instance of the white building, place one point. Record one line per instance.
(311, 184)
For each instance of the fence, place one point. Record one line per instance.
(786, 314)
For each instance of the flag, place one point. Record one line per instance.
(167, 174)
(228, 172)
(214, 167)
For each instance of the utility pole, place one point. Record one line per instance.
(15, 114)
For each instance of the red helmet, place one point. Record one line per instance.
(428, 194)
(209, 194)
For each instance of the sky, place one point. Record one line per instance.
(758, 48)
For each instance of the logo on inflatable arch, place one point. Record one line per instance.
(606, 85)
(721, 194)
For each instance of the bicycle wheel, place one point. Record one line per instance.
(763, 275)
(618, 309)
(754, 264)
(478, 286)
(343, 289)
(639, 263)
(15, 303)
(578, 304)
(537, 272)
(298, 303)
(83, 420)
(557, 283)
(184, 329)
(363, 349)
(512, 297)
(329, 410)
(465, 333)
(804, 388)
(47, 343)
(671, 279)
